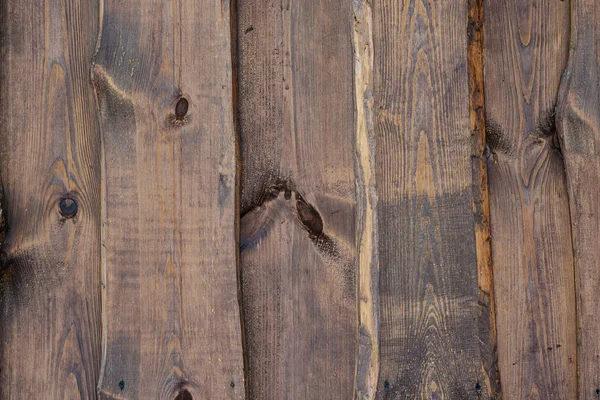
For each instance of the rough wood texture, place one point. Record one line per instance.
(481, 206)
(163, 80)
(367, 372)
(525, 52)
(430, 344)
(49, 292)
(299, 198)
(578, 122)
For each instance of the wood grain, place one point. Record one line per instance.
(525, 50)
(50, 320)
(367, 367)
(300, 200)
(430, 344)
(163, 79)
(578, 122)
(481, 205)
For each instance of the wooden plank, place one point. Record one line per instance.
(367, 368)
(163, 80)
(578, 122)
(525, 52)
(50, 323)
(300, 202)
(430, 343)
(481, 206)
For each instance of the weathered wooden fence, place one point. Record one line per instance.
(316, 199)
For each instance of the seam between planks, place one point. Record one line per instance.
(563, 90)
(233, 27)
(103, 273)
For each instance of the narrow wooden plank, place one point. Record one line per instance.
(430, 344)
(367, 368)
(481, 205)
(578, 122)
(163, 79)
(50, 323)
(300, 202)
(525, 51)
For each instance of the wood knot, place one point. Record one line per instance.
(68, 207)
(184, 395)
(181, 108)
(180, 117)
(309, 217)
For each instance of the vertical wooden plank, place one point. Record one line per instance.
(481, 205)
(300, 201)
(50, 166)
(163, 80)
(525, 52)
(367, 368)
(578, 122)
(430, 344)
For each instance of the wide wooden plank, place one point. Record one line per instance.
(578, 122)
(301, 207)
(163, 80)
(526, 45)
(50, 321)
(429, 290)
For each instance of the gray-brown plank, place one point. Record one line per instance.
(430, 344)
(300, 202)
(50, 319)
(163, 80)
(525, 50)
(578, 122)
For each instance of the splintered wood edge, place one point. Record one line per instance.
(481, 207)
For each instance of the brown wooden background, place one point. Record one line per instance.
(300, 199)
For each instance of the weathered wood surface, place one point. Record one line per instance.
(578, 122)
(389, 228)
(526, 45)
(50, 319)
(163, 80)
(367, 373)
(430, 344)
(301, 198)
(481, 207)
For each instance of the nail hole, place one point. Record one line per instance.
(68, 207)
(386, 385)
(232, 384)
(184, 395)
(598, 391)
(478, 387)
(181, 108)
(122, 385)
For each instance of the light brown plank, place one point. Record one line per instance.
(367, 368)
(300, 203)
(49, 277)
(163, 79)
(525, 51)
(429, 290)
(578, 122)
